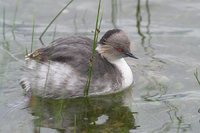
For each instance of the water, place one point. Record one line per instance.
(166, 94)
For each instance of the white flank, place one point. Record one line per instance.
(52, 73)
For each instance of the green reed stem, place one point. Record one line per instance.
(14, 19)
(114, 12)
(46, 80)
(33, 34)
(139, 21)
(54, 33)
(5, 44)
(26, 51)
(92, 59)
(10, 54)
(54, 20)
(4, 25)
(196, 74)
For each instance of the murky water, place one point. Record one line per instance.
(166, 95)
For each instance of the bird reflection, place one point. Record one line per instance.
(97, 114)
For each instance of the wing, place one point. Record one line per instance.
(75, 51)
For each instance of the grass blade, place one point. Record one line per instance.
(14, 19)
(91, 62)
(54, 20)
(196, 74)
(54, 33)
(10, 54)
(4, 25)
(139, 21)
(33, 34)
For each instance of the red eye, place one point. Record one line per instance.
(120, 50)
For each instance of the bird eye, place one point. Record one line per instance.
(120, 50)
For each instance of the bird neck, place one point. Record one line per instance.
(123, 67)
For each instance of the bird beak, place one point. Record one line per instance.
(130, 55)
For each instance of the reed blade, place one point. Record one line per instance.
(92, 59)
(14, 19)
(4, 25)
(33, 34)
(196, 74)
(45, 30)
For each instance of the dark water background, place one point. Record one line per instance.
(166, 38)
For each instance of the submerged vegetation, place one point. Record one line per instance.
(105, 114)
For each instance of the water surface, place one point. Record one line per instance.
(166, 95)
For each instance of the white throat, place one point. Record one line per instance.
(127, 75)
